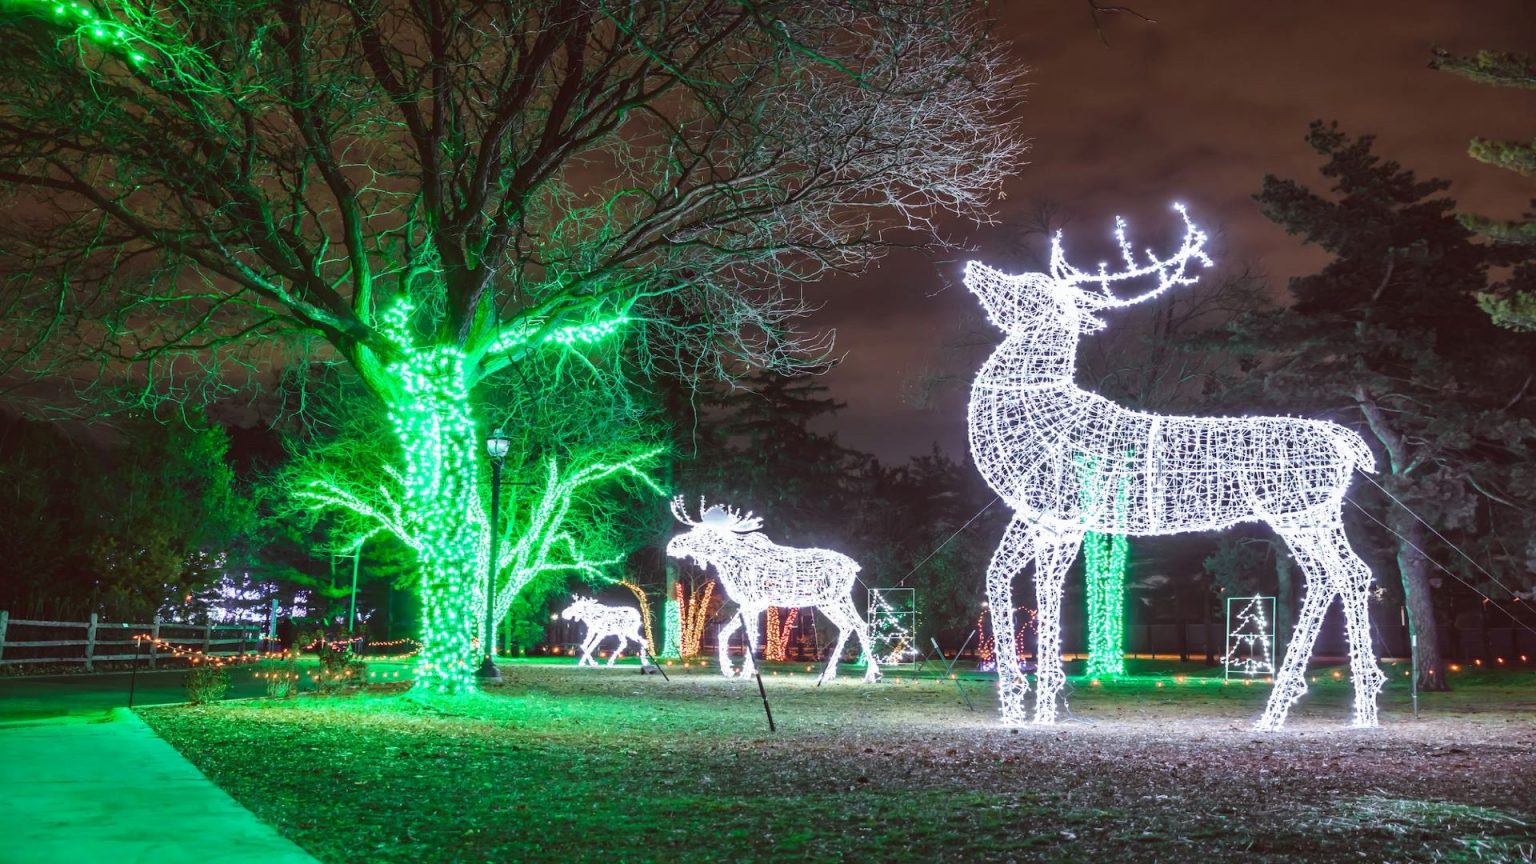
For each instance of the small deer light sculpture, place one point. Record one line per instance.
(604, 621)
(757, 573)
(1068, 461)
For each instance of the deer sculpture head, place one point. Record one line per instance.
(717, 529)
(1067, 299)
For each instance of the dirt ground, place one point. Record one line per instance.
(561, 764)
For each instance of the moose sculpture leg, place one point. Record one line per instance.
(727, 668)
(846, 618)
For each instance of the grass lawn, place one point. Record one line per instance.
(564, 764)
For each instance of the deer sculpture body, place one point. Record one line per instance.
(756, 573)
(1068, 461)
(603, 621)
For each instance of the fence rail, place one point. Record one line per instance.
(212, 640)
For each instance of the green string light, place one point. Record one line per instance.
(88, 26)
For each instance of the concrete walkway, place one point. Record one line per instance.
(114, 791)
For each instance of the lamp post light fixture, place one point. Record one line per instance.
(496, 446)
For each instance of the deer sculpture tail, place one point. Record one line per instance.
(1353, 446)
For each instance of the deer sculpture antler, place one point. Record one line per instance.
(1169, 271)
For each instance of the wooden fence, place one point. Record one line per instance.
(110, 641)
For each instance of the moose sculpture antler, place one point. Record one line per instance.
(1068, 461)
(757, 573)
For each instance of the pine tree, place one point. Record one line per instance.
(1511, 303)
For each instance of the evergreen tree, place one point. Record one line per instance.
(1511, 303)
(1388, 337)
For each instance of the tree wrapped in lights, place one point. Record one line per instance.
(1048, 448)
(602, 622)
(776, 648)
(1104, 557)
(757, 573)
(693, 614)
(408, 190)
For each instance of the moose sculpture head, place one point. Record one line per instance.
(718, 529)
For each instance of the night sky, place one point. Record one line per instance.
(1196, 107)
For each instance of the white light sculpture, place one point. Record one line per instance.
(604, 621)
(757, 573)
(1250, 639)
(1046, 446)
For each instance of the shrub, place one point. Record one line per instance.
(340, 669)
(281, 676)
(207, 683)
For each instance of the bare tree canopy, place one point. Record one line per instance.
(187, 176)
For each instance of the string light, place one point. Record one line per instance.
(604, 621)
(1048, 448)
(757, 573)
(645, 613)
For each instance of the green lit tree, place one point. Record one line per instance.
(432, 194)
(1511, 303)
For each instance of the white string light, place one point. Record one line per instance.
(603, 621)
(1045, 446)
(757, 573)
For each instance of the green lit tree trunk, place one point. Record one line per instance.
(1104, 561)
(441, 510)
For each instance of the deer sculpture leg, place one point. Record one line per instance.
(1291, 681)
(639, 640)
(623, 643)
(1053, 557)
(1011, 556)
(1352, 581)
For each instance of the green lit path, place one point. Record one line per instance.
(93, 696)
(113, 791)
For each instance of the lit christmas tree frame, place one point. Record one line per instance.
(1251, 639)
(1035, 435)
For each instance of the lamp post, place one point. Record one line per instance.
(496, 446)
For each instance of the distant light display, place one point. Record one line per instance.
(603, 622)
(1049, 449)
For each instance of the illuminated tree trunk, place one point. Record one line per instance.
(441, 510)
(1104, 560)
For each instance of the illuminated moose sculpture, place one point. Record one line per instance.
(604, 621)
(1068, 461)
(757, 573)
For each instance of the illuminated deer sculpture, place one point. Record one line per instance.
(1068, 461)
(757, 573)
